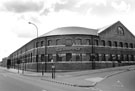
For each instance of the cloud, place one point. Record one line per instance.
(19, 6)
(122, 6)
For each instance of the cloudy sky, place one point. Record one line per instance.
(51, 14)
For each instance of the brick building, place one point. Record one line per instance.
(78, 48)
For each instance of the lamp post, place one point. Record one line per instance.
(36, 43)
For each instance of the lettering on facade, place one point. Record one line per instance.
(68, 49)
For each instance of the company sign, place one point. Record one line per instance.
(68, 49)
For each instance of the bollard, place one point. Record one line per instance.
(53, 72)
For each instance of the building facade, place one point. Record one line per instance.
(77, 48)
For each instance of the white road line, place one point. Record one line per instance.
(44, 90)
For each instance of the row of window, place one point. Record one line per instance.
(79, 57)
(88, 42)
(117, 44)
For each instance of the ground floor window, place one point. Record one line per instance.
(68, 56)
(103, 57)
(42, 57)
(50, 56)
(78, 57)
(58, 57)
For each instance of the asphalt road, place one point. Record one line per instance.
(121, 81)
(16, 82)
(124, 81)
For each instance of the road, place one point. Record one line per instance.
(15, 82)
(124, 81)
(118, 80)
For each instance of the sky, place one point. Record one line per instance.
(50, 14)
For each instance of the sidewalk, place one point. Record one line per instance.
(88, 78)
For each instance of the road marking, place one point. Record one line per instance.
(96, 89)
(118, 84)
(44, 90)
(95, 79)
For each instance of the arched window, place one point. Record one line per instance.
(103, 42)
(69, 42)
(42, 43)
(115, 44)
(58, 42)
(78, 42)
(87, 41)
(49, 42)
(131, 45)
(121, 44)
(37, 44)
(126, 45)
(96, 42)
(109, 43)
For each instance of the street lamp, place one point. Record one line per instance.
(36, 43)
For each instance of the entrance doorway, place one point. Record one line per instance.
(68, 56)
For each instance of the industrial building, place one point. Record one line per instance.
(77, 48)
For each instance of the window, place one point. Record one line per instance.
(122, 57)
(131, 45)
(103, 42)
(31, 57)
(96, 42)
(37, 44)
(126, 45)
(42, 43)
(78, 57)
(132, 57)
(110, 57)
(88, 58)
(87, 41)
(103, 57)
(49, 42)
(69, 42)
(109, 43)
(58, 42)
(78, 42)
(127, 58)
(37, 58)
(59, 57)
(120, 30)
(50, 57)
(42, 57)
(121, 44)
(115, 44)
(68, 56)
(96, 57)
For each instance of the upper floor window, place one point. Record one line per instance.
(115, 43)
(131, 45)
(69, 42)
(96, 42)
(78, 42)
(126, 45)
(87, 41)
(49, 42)
(58, 42)
(42, 43)
(109, 43)
(37, 44)
(121, 44)
(103, 42)
(120, 30)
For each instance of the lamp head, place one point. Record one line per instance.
(29, 22)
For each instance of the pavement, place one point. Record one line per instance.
(88, 78)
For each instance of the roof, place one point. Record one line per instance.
(104, 28)
(71, 30)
